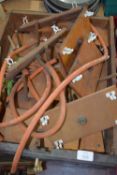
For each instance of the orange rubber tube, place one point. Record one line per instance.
(30, 84)
(32, 110)
(61, 119)
(33, 90)
(62, 109)
(37, 71)
(50, 99)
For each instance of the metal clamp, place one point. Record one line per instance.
(88, 13)
(10, 61)
(59, 144)
(78, 78)
(55, 28)
(44, 120)
(92, 37)
(25, 20)
(111, 95)
(67, 51)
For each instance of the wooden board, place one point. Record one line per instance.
(98, 116)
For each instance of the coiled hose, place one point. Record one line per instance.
(62, 107)
(30, 112)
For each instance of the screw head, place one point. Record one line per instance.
(98, 145)
(82, 120)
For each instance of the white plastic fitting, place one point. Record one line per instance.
(88, 13)
(111, 95)
(44, 120)
(92, 37)
(78, 78)
(55, 28)
(59, 144)
(10, 61)
(67, 51)
(25, 20)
